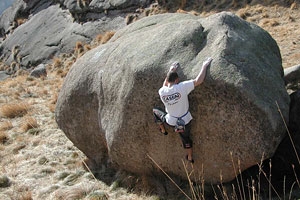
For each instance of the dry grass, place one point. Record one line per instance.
(98, 39)
(269, 22)
(27, 195)
(107, 36)
(3, 137)
(13, 83)
(13, 110)
(79, 49)
(57, 63)
(22, 193)
(102, 39)
(87, 47)
(29, 123)
(52, 102)
(16, 148)
(6, 125)
(75, 192)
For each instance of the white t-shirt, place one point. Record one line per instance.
(175, 99)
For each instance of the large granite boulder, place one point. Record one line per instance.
(105, 104)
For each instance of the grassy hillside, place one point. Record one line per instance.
(39, 162)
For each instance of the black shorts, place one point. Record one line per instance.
(186, 137)
(159, 118)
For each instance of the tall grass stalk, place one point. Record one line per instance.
(222, 188)
(215, 194)
(291, 190)
(169, 177)
(293, 166)
(197, 189)
(284, 187)
(235, 172)
(189, 179)
(240, 172)
(270, 180)
(259, 174)
(88, 169)
(253, 190)
(270, 184)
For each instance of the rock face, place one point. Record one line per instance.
(292, 78)
(43, 29)
(39, 71)
(5, 4)
(3, 75)
(105, 104)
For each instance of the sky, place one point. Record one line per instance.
(5, 4)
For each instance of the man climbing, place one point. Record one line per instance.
(174, 95)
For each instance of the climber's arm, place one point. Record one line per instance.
(201, 76)
(165, 82)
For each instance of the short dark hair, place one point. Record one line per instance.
(172, 76)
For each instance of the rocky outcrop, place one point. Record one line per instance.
(105, 104)
(39, 71)
(43, 29)
(292, 78)
(3, 75)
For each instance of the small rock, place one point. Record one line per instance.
(4, 181)
(3, 75)
(39, 71)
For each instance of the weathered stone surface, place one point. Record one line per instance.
(49, 28)
(3, 75)
(49, 33)
(292, 78)
(101, 5)
(105, 104)
(292, 74)
(39, 71)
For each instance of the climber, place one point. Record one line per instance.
(174, 95)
